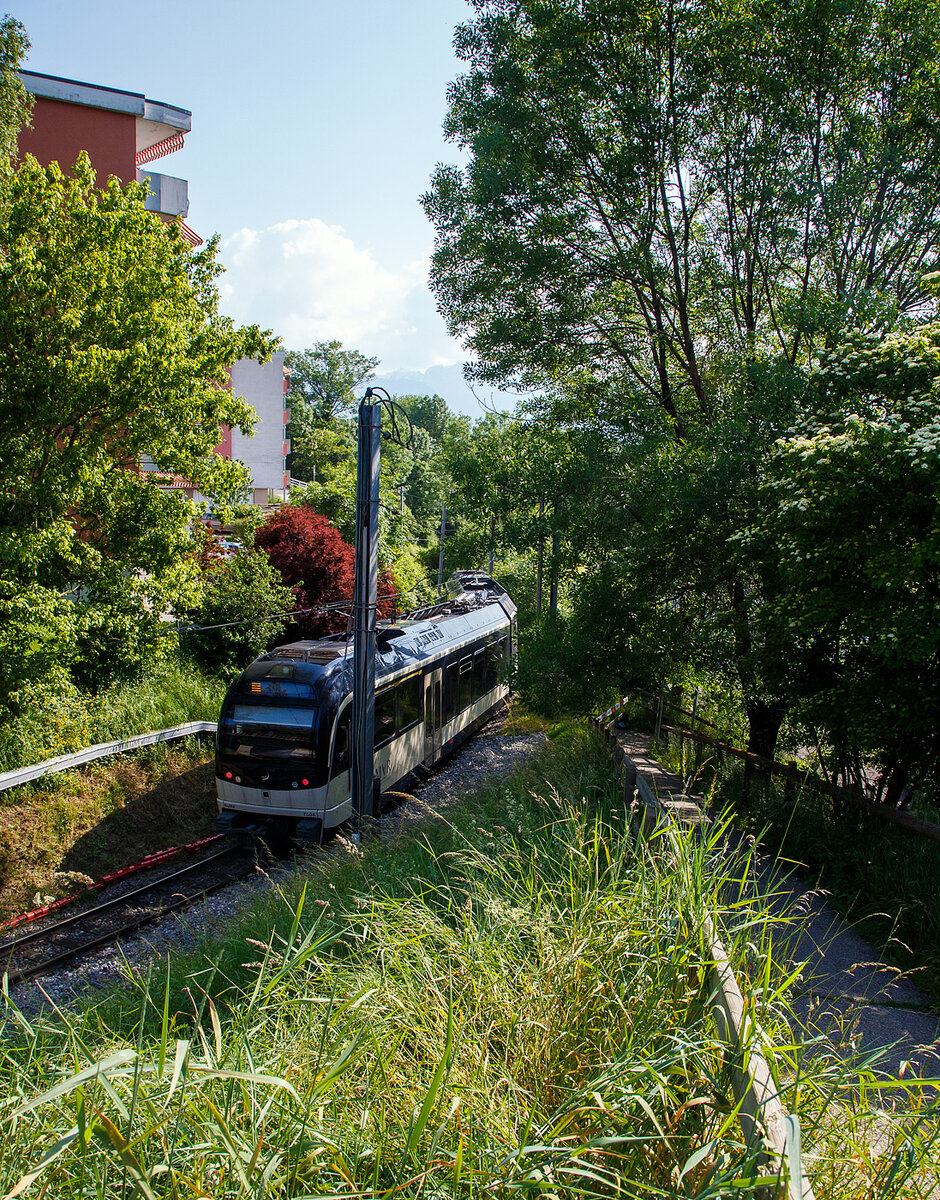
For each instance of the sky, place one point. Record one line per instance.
(316, 127)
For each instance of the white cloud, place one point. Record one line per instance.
(309, 282)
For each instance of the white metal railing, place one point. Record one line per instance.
(65, 762)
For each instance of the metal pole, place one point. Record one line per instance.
(492, 540)
(440, 561)
(364, 606)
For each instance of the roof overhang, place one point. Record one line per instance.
(156, 122)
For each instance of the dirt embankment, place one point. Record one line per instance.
(75, 827)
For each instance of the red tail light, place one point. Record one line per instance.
(305, 782)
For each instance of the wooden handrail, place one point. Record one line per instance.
(800, 774)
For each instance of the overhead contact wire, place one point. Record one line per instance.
(294, 612)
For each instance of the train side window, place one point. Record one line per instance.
(451, 691)
(494, 660)
(341, 744)
(384, 718)
(409, 703)
(466, 683)
(479, 673)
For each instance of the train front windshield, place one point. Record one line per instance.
(269, 732)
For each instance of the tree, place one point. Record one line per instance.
(850, 519)
(322, 385)
(669, 212)
(15, 101)
(112, 349)
(325, 377)
(411, 489)
(315, 562)
(639, 204)
(429, 413)
(320, 447)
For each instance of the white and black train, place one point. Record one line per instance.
(284, 737)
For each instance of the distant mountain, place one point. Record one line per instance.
(449, 383)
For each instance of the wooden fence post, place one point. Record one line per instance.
(629, 785)
(659, 711)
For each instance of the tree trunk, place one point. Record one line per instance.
(553, 577)
(541, 555)
(896, 782)
(764, 721)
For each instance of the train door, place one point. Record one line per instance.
(433, 716)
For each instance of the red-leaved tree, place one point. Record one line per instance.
(318, 565)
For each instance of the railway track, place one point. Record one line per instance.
(43, 950)
(54, 945)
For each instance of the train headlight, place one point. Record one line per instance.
(293, 783)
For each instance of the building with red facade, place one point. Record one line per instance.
(122, 132)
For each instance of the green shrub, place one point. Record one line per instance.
(237, 593)
(37, 647)
(65, 719)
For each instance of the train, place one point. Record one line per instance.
(284, 738)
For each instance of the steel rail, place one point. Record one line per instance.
(36, 935)
(46, 964)
(10, 947)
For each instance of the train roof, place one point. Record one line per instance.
(475, 605)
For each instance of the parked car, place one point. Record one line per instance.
(228, 546)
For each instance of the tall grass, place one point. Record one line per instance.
(506, 1001)
(169, 693)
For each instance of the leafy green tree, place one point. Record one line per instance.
(850, 522)
(112, 349)
(652, 186)
(325, 377)
(238, 593)
(420, 473)
(429, 413)
(321, 447)
(321, 394)
(37, 644)
(15, 101)
(668, 213)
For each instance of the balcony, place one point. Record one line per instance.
(167, 195)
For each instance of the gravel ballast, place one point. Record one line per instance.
(490, 753)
